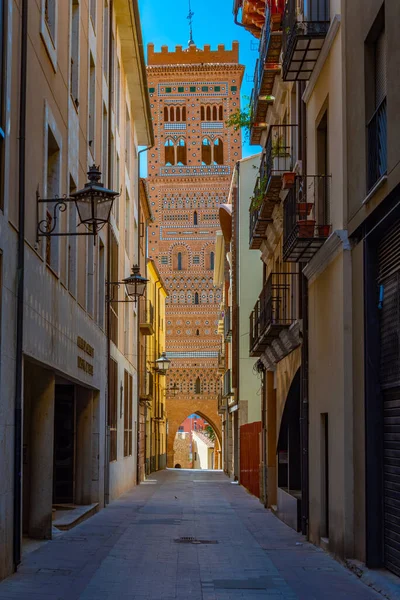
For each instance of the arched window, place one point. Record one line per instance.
(172, 113)
(196, 298)
(197, 386)
(181, 152)
(197, 332)
(221, 113)
(218, 152)
(195, 217)
(184, 113)
(179, 261)
(212, 261)
(169, 152)
(208, 113)
(206, 152)
(178, 113)
(202, 113)
(166, 115)
(215, 113)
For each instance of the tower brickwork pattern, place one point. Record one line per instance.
(192, 93)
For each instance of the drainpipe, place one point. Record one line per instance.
(139, 375)
(20, 293)
(304, 398)
(108, 320)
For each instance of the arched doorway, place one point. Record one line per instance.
(196, 444)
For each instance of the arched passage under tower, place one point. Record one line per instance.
(179, 410)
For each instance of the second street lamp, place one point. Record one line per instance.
(135, 286)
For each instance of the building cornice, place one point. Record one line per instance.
(194, 68)
(330, 38)
(338, 241)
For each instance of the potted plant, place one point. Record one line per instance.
(288, 179)
(259, 194)
(323, 231)
(306, 228)
(304, 208)
(280, 155)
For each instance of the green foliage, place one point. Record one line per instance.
(209, 432)
(240, 119)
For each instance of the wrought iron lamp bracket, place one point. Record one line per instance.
(112, 287)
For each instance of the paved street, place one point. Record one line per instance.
(129, 551)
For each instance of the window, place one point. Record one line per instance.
(202, 113)
(197, 332)
(174, 113)
(169, 152)
(128, 413)
(90, 276)
(196, 260)
(151, 90)
(217, 88)
(206, 152)
(52, 190)
(92, 104)
(3, 41)
(126, 326)
(181, 152)
(127, 139)
(208, 113)
(204, 88)
(106, 38)
(233, 88)
(72, 217)
(197, 389)
(377, 125)
(218, 153)
(101, 285)
(92, 10)
(118, 95)
(114, 277)
(127, 220)
(168, 90)
(179, 261)
(211, 261)
(195, 217)
(215, 113)
(74, 75)
(104, 144)
(192, 88)
(220, 113)
(181, 89)
(321, 183)
(164, 260)
(113, 407)
(50, 17)
(196, 298)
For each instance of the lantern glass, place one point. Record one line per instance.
(94, 202)
(135, 284)
(162, 363)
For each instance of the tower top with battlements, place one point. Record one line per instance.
(192, 55)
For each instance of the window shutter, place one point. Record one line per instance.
(380, 69)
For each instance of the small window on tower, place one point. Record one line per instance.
(151, 90)
(168, 90)
(164, 260)
(233, 88)
(217, 88)
(196, 260)
(206, 152)
(204, 88)
(181, 89)
(192, 88)
(169, 153)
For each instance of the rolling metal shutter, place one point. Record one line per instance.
(389, 278)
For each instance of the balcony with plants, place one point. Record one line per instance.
(267, 67)
(275, 310)
(305, 25)
(276, 173)
(306, 217)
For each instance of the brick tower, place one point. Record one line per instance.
(192, 92)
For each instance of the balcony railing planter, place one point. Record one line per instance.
(306, 218)
(274, 311)
(304, 33)
(288, 180)
(277, 159)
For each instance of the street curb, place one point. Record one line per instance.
(380, 580)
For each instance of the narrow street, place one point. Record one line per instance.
(129, 550)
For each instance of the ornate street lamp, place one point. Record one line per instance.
(162, 364)
(135, 286)
(175, 388)
(93, 203)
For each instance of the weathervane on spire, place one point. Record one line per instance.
(190, 19)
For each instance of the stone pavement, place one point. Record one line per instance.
(129, 551)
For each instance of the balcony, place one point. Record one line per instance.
(227, 325)
(221, 404)
(146, 317)
(221, 362)
(267, 67)
(304, 33)
(227, 385)
(306, 218)
(274, 311)
(277, 160)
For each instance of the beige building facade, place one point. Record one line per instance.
(74, 95)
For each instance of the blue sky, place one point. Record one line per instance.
(165, 23)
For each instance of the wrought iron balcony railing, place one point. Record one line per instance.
(377, 145)
(306, 217)
(304, 32)
(227, 324)
(275, 309)
(267, 66)
(146, 317)
(227, 384)
(278, 159)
